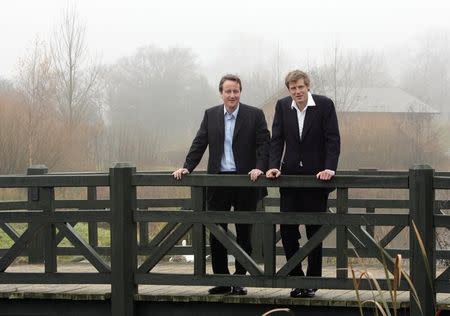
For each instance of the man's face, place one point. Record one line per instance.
(231, 93)
(299, 92)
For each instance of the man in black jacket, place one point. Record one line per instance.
(305, 126)
(238, 140)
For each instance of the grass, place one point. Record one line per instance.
(378, 300)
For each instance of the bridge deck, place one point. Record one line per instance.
(169, 293)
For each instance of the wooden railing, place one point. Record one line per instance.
(49, 221)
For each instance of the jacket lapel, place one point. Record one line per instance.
(309, 119)
(220, 126)
(292, 120)
(240, 119)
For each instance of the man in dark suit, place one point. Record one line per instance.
(238, 141)
(305, 126)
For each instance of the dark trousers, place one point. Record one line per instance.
(302, 200)
(222, 199)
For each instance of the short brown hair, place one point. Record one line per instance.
(295, 76)
(232, 78)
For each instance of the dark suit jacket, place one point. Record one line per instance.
(319, 147)
(250, 140)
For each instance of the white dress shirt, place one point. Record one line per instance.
(301, 114)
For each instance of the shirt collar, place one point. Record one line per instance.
(310, 102)
(234, 113)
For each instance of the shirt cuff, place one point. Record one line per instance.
(331, 171)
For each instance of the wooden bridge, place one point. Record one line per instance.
(131, 277)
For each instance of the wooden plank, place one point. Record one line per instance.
(442, 221)
(60, 236)
(303, 252)
(173, 293)
(17, 205)
(72, 251)
(390, 235)
(56, 217)
(83, 204)
(234, 249)
(57, 278)
(441, 182)
(269, 250)
(162, 234)
(212, 217)
(86, 250)
(421, 212)
(146, 203)
(373, 247)
(198, 196)
(356, 203)
(9, 230)
(123, 240)
(155, 256)
(341, 235)
(54, 180)
(47, 198)
(143, 234)
(210, 180)
(92, 226)
(255, 281)
(18, 247)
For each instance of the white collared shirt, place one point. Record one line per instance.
(301, 114)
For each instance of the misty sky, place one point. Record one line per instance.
(116, 28)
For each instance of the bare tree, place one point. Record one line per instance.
(13, 151)
(36, 84)
(345, 73)
(427, 70)
(76, 75)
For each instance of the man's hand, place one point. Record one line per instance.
(177, 174)
(254, 174)
(273, 173)
(326, 174)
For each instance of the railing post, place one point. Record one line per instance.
(47, 202)
(92, 226)
(421, 196)
(341, 235)
(369, 210)
(270, 249)
(123, 240)
(257, 236)
(370, 228)
(198, 198)
(144, 239)
(35, 249)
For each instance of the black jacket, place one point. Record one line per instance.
(319, 147)
(250, 140)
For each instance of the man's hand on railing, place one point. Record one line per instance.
(326, 174)
(254, 174)
(177, 174)
(273, 173)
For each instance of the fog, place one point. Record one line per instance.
(147, 70)
(302, 29)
